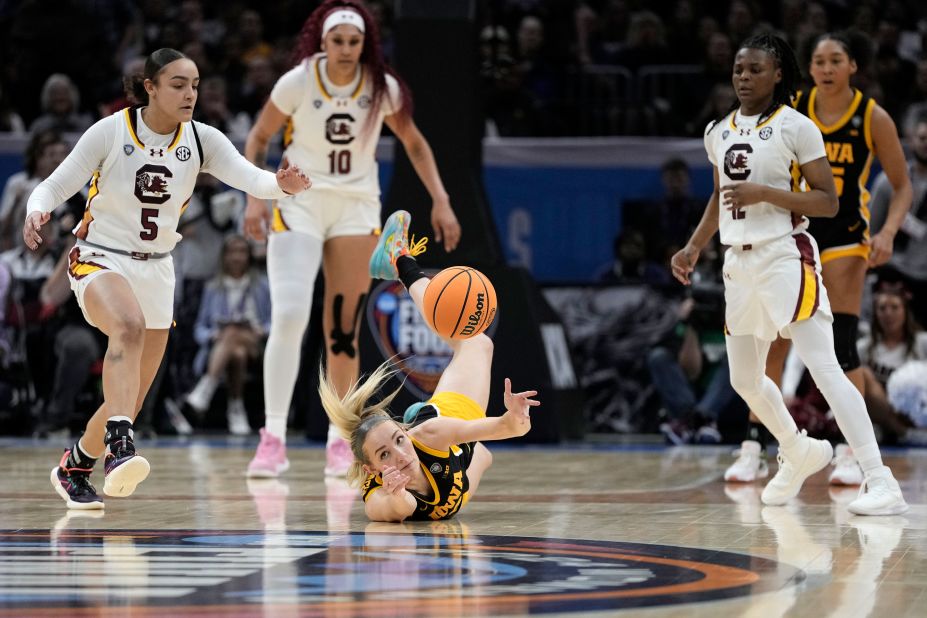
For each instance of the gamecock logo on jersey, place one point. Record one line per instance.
(151, 184)
(736, 163)
(339, 129)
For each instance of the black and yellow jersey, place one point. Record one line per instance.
(848, 143)
(446, 472)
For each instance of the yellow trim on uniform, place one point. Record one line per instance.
(325, 92)
(288, 132)
(185, 204)
(797, 99)
(860, 250)
(318, 80)
(128, 119)
(360, 85)
(843, 119)
(864, 192)
(87, 218)
(80, 270)
(768, 120)
(176, 139)
(455, 405)
(431, 451)
(809, 295)
(278, 224)
(867, 123)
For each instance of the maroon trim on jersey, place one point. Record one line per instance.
(806, 253)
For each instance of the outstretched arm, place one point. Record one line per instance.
(391, 501)
(440, 433)
(443, 220)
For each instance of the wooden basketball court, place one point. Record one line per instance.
(556, 531)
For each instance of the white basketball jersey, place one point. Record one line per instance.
(140, 190)
(325, 134)
(764, 153)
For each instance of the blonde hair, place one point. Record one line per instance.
(354, 415)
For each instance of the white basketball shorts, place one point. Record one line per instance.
(325, 214)
(769, 286)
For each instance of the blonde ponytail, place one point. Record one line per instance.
(354, 415)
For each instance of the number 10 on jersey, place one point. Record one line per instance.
(339, 162)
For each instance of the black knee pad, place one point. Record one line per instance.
(845, 335)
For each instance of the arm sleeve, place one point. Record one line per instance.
(878, 206)
(290, 89)
(802, 138)
(74, 172)
(222, 160)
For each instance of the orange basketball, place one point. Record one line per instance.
(460, 302)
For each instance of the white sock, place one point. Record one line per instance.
(814, 341)
(333, 434)
(293, 260)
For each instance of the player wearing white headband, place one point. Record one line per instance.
(333, 104)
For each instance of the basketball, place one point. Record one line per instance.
(460, 302)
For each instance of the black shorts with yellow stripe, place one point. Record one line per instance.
(842, 236)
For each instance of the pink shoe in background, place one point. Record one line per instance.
(338, 457)
(270, 459)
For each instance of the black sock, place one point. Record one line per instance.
(116, 430)
(759, 433)
(409, 270)
(77, 458)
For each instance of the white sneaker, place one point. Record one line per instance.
(238, 418)
(802, 460)
(846, 469)
(750, 464)
(879, 494)
(201, 395)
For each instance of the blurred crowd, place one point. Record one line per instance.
(548, 68)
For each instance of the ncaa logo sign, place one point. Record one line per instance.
(400, 332)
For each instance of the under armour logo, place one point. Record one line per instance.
(157, 152)
(745, 132)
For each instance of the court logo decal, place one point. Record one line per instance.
(443, 568)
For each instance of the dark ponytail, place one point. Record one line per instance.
(785, 60)
(134, 85)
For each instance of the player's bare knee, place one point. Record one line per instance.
(129, 328)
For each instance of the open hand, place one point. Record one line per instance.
(34, 222)
(517, 408)
(292, 179)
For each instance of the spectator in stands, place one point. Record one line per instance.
(133, 66)
(45, 151)
(909, 260)
(233, 321)
(719, 99)
(895, 338)
(60, 101)
(682, 34)
(690, 372)
(895, 74)
(631, 264)
(742, 18)
(251, 31)
(10, 121)
(214, 109)
(646, 42)
(666, 223)
(258, 82)
(601, 36)
(918, 107)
